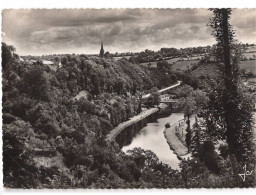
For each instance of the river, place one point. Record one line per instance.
(151, 137)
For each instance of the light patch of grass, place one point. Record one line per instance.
(249, 65)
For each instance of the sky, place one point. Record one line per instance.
(55, 31)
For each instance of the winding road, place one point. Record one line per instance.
(164, 89)
(114, 132)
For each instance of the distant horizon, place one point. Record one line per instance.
(114, 52)
(58, 31)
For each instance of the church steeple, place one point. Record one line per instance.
(101, 50)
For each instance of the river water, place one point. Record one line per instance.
(151, 137)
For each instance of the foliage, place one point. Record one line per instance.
(162, 64)
(68, 112)
(154, 97)
(234, 111)
(36, 83)
(19, 169)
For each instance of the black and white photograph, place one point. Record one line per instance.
(129, 98)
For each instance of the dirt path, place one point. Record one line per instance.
(175, 144)
(114, 132)
(178, 144)
(162, 90)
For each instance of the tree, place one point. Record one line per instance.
(18, 166)
(119, 86)
(57, 60)
(96, 84)
(7, 59)
(154, 97)
(133, 60)
(134, 88)
(196, 139)
(188, 135)
(140, 102)
(149, 65)
(209, 156)
(236, 128)
(194, 173)
(68, 57)
(107, 54)
(188, 106)
(36, 83)
(174, 78)
(64, 61)
(162, 64)
(82, 64)
(6, 54)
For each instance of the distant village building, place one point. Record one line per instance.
(33, 61)
(47, 62)
(101, 50)
(53, 66)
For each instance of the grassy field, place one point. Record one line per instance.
(182, 65)
(174, 60)
(250, 52)
(249, 55)
(196, 57)
(178, 65)
(153, 64)
(118, 58)
(253, 48)
(249, 65)
(170, 61)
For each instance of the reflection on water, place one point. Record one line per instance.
(150, 136)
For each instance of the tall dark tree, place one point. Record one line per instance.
(189, 109)
(154, 97)
(96, 84)
(162, 64)
(174, 78)
(57, 60)
(119, 86)
(188, 134)
(235, 109)
(63, 61)
(140, 102)
(196, 139)
(36, 84)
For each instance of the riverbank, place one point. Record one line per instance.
(180, 131)
(114, 132)
(177, 143)
(150, 136)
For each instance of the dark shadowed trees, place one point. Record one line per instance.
(8, 59)
(96, 84)
(162, 64)
(64, 60)
(36, 83)
(154, 97)
(234, 109)
(18, 167)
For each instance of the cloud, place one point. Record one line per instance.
(41, 31)
(115, 30)
(244, 18)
